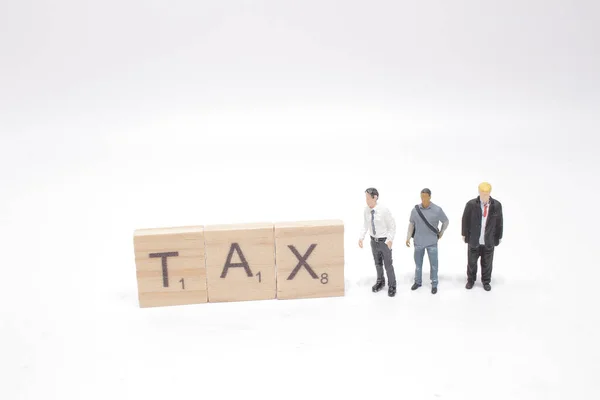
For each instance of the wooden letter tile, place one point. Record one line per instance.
(240, 262)
(310, 259)
(170, 266)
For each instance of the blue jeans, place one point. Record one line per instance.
(432, 253)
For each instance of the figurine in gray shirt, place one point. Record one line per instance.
(423, 228)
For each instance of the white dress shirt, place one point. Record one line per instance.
(385, 225)
(483, 222)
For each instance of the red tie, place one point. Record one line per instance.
(485, 210)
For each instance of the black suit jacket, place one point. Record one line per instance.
(471, 223)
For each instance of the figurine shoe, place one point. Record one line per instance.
(378, 285)
(392, 291)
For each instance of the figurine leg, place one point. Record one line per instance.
(432, 254)
(418, 256)
(472, 257)
(378, 258)
(389, 264)
(487, 259)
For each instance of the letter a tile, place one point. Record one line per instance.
(240, 262)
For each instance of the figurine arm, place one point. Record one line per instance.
(364, 229)
(466, 222)
(444, 227)
(411, 229)
(499, 223)
(391, 224)
(445, 222)
(411, 225)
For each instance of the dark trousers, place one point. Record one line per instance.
(383, 256)
(487, 258)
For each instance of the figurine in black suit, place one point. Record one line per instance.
(482, 225)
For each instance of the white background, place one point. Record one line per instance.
(119, 115)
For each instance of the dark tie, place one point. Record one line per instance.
(373, 221)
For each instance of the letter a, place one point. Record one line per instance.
(229, 264)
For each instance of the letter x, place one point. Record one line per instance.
(302, 262)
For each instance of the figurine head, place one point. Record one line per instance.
(425, 197)
(484, 191)
(371, 195)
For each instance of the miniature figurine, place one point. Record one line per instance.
(423, 228)
(482, 226)
(378, 220)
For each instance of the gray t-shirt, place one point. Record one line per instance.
(424, 236)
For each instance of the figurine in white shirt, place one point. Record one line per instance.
(380, 223)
